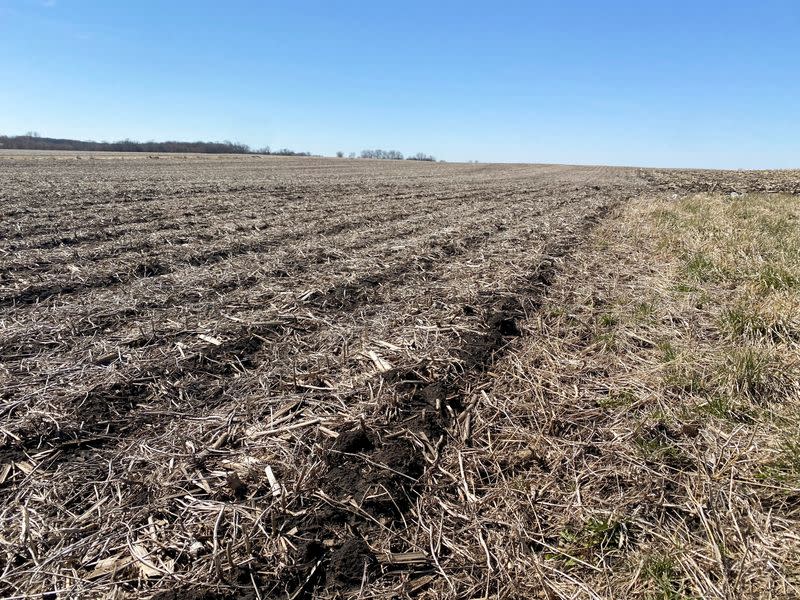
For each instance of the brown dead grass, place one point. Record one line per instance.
(641, 442)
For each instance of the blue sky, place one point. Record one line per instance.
(704, 84)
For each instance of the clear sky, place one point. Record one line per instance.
(670, 83)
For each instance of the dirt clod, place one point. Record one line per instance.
(353, 441)
(505, 324)
(237, 487)
(351, 563)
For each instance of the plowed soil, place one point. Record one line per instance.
(235, 376)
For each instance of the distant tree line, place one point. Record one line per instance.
(382, 154)
(32, 141)
(390, 155)
(281, 152)
(422, 156)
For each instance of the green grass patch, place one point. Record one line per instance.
(597, 536)
(748, 319)
(664, 574)
(742, 319)
(700, 268)
(644, 310)
(683, 374)
(618, 399)
(727, 408)
(669, 352)
(607, 320)
(747, 372)
(772, 277)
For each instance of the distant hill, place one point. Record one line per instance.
(35, 142)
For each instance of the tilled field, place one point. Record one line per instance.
(254, 377)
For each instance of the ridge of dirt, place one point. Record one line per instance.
(383, 476)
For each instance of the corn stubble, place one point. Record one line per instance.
(243, 377)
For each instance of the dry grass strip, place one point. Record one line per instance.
(642, 441)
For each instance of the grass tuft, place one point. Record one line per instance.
(784, 468)
(774, 277)
(662, 571)
(747, 372)
(701, 268)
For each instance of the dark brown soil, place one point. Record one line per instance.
(351, 563)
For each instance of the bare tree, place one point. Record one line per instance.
(382, 154)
